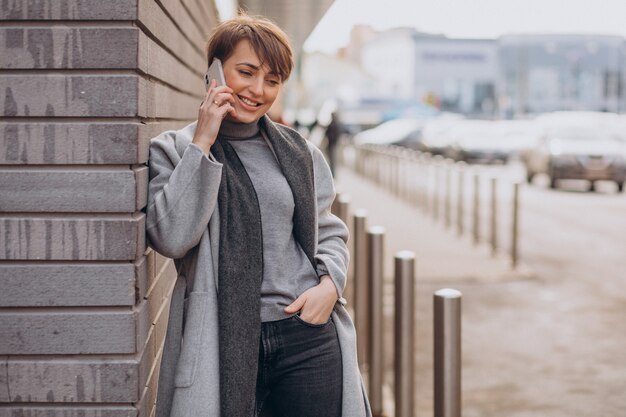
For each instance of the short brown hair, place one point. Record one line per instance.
(269, 42)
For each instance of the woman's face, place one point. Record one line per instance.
(255, 87)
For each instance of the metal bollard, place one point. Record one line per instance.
(404, 345)
(436, 189)
(426, 168)
(460, 206)
(447, 353)
(515, 226)
(343, 212)
(476, 214)
(361, 290)
(448, 198)
(334, 206)
(494, 216)
(343, 207)
(375, 239)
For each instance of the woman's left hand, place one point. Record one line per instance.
(316, 303)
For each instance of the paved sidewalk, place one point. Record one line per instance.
(442, 256)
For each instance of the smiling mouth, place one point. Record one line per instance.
(249, 102)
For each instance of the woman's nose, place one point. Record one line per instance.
(256, 87)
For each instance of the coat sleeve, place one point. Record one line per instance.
(182, 194)
(332, 255)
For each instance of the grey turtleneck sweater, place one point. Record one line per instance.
(287, 272)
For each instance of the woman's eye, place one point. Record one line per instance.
(273, 82)
(246, 73)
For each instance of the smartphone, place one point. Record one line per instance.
(215, 72)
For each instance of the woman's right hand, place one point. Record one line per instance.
(218, 102)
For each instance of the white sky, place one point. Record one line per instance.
(469, 18)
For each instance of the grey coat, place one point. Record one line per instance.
(182, 223)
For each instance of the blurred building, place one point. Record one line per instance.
(452, 74)
(390, 58)
(540, 73)
(326, 76)
(513, 76)
(457, 75)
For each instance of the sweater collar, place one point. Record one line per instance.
(232, 130)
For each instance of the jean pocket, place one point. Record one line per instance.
(313, 325)
(192, 339)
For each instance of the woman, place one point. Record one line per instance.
(243, 206)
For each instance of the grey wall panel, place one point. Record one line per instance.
(37, 331)
(150, 130)
(68, 95)
(159, 101)
(141, 315)
(99, 190)
(141, 277)
(66, 47)
(161, 27)
(203, 12)
(111, 237)
(76, 94)
(141, 187)
(105, 380)
(160, 322)
(67, 284)
(160, 293)
(184, 21)
(68, 10)
(64, 411)
(74, 143)
(4, 382)
(162, 65)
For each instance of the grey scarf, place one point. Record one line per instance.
(241, 258)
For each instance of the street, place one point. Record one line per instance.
(556, 345)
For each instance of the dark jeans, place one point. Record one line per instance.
(300, 372)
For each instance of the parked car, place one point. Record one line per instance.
(477, 141)
(585, 152)
(436, 137)
(402, 132)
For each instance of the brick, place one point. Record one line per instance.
(110, 379)
(68, 411)
(67, 284)
(66, 143)
(66, 47)
(99, 190)
(69, 10)
(69, 95)
(110, 238)
(93, 331)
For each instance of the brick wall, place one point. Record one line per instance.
(84, 85)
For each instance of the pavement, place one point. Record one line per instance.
(444, 259)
